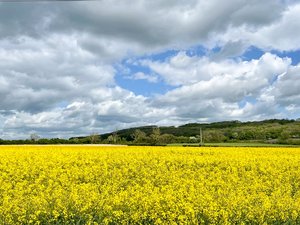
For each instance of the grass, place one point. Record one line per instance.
(232, 144)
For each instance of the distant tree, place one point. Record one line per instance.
(273, 133)
(34, 137)
(85, 140)
(43, 141)
(182, 139)
(110, 139)
(155, 136)
(232, 135)
(193, 139)
(113, 138)
(74, 141)
(283, 137)
(94, 138)
(139, 136)
(166, 138)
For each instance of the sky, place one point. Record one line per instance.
(72, 68)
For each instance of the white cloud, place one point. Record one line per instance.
(286, 88)
(229, 82)
(57, 63)
(43, 73)
(186, 70)
(108, 109)
(282, 34)
(143, 76)
(111, 28)
(216, 98)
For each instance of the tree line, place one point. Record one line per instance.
(269, 131)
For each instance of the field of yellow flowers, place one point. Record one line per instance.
(149, 185)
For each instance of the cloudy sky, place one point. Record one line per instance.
(71, 68)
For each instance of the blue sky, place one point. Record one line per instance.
(71, 68)
(146, 88)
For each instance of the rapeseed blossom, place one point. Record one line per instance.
(149, 185)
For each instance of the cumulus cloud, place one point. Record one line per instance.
(36, 75)
(217, 95)
(58, 63)
(115, 108)
(143, 76)
(282, 34)
(286, 88)
(144, 26)
(183, 69)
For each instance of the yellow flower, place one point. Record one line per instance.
(150, 185)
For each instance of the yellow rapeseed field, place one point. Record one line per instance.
(149, 185)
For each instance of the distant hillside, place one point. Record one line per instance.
(273, 131)
(267, 131)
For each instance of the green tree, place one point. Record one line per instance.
(166, 138)
(155, 136)
(113, 138)
(283, 137)
(94, 138)
(139, 136)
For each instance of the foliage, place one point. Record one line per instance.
(268, 131)
(94, 138)
(229, 131)
(139, 136)
(149, 185)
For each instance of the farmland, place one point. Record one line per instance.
(149, 185)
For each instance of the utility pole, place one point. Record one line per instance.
(201, 137)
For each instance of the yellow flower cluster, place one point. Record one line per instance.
(149, 185)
